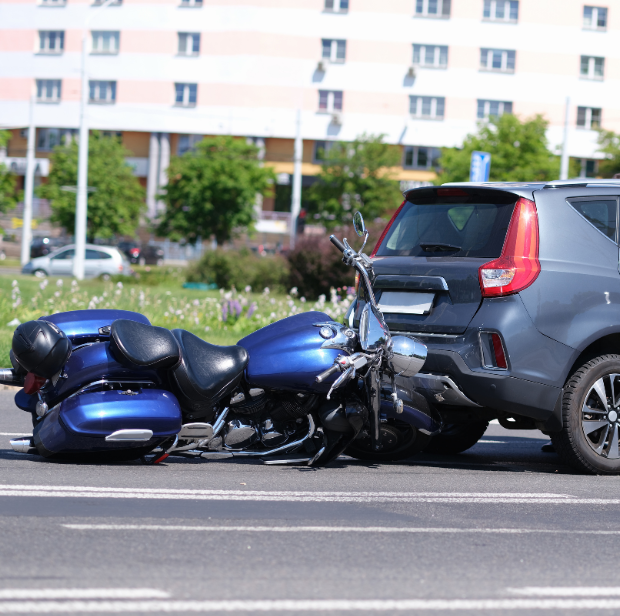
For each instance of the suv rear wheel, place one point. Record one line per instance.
(589, 439)
(456, 438)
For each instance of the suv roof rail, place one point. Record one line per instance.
(577, 182)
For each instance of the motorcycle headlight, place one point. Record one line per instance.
(407, 357)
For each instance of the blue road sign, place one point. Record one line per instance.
(480, 167)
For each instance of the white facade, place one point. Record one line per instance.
(257, 61)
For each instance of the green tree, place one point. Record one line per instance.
(7, 179)
(118, 201)
(212, 190)
(356, 176)
(519, 152)
(609, 143)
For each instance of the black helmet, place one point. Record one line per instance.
(41, 347)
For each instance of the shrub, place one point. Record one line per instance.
(239, 269)
(316, 266)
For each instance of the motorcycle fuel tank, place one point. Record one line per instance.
(290, 353)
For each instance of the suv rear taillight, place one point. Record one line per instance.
(382, 236)
(518, 266)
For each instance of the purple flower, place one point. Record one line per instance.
(236, 306)
(251, 310)
(224, 311)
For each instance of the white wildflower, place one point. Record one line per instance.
(248, 289)
(59, 282)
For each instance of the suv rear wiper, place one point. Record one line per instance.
(437, 247)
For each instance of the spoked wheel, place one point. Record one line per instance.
(396, 442)
(589, 440)
(599, 416)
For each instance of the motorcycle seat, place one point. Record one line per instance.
(206, 372)
(143, 345)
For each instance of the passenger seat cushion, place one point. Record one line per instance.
(206, 372)
(143, 345)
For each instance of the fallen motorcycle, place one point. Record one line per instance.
(107, 385)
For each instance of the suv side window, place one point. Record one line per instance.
(601, 212)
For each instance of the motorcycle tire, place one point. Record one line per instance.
(456, 438)
(397, 443)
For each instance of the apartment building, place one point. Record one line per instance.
(164, 73)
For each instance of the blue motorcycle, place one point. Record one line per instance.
(107, 385)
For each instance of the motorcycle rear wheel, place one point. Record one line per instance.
(396, 442)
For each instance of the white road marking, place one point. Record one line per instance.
(82, 593)
(297, 496)
(569, 591)
(15, 434)
(310, 605)
(486, 441)
(340, 529)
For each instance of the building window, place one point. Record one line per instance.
(432, 8)
(185, 94)
(51, 41)
(53, 2)
(592, 68)
(112, 3)
(430, 56)
(497, 60)
(330, 100)
(501, 10)
(427, 107)
(594, 18)
(48, 90)
(334, 50)
(102, 92)
(49, 138)
(191, 4)
(493, 108)
(417, 157)
(589, 117)
(105, 42)
(187, 143)
(321, 148)
(189, 43)
(589, 168)
(337, 6)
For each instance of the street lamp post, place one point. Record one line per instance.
(81, 204)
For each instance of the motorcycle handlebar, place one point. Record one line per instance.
(328, 372)
(337, 243)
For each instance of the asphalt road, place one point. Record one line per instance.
(501, 529)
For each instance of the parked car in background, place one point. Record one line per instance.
(103, 261)
(515, 290)
(145, 254)
(151, 255)
(131, 250)
(41, 246)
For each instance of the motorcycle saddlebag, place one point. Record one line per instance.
(111, 421)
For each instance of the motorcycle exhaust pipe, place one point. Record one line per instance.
(8, 376)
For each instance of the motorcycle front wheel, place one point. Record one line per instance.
(396, 442)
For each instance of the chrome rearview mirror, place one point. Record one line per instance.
(373, 331)
(360, 228)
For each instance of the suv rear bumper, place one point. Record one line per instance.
(530, 387)
(497, 391)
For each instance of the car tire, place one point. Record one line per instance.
(39, 273)
(401, 442)
(589, 439)
(456, 438)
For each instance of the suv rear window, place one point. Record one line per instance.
(464, 226)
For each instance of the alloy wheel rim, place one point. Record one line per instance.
(600, 416)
